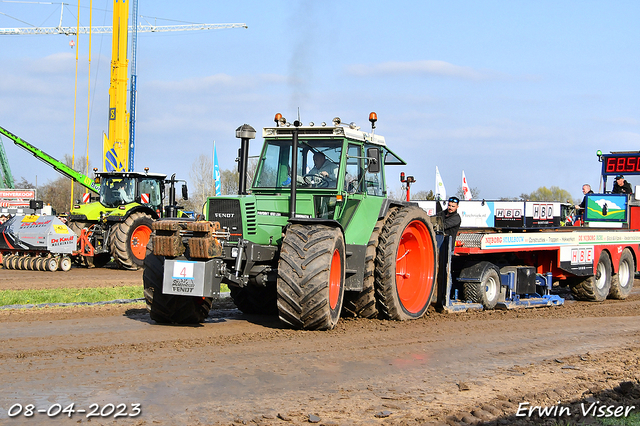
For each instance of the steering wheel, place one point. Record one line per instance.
(317, 180)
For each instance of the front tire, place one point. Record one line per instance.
(405, 265)
(622, 282)
(129, 239)
(169, 308)
(311, 274)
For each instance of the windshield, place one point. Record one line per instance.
(116, 191)
(318, 164)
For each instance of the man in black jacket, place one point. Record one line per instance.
(621, 186)
(451, 219)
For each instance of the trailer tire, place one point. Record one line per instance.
(311, 273)
(406, 267)
(622, 282)
(65, 263)
(363, 303)
(487, 290)
(254, 299)
(596, 287)
(129, 239)
(168, 308)
(52, 264)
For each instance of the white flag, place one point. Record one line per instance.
(441, 192)
(465, 188)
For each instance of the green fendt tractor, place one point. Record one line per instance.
(314, 238)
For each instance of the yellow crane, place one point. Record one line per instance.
(119, 142)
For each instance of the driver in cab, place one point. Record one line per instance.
(121, 192)
(324, 169)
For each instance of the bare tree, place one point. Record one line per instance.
(202, 184)
(475, 192)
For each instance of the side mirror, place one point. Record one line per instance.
(185, 192)
(373, 158)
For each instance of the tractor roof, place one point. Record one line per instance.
(319, 131)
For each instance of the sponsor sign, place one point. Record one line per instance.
(542, 215)
(509, 214)
(557, 239)
(29, 194)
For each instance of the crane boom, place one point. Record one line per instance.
(142, 28)
(59, 166)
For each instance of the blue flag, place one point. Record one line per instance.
(216, 172)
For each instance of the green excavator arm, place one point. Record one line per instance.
(59, 166)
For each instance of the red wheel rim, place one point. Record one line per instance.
(139, 240)
(415, 267)
(335, 279)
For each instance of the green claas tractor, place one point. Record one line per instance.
(119, 224)
(313, 239)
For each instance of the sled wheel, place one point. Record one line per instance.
(486, 291)
(52, 264)
(39, 263)
(622, 282)
(6, 261)
(596, 287)
(65, 263)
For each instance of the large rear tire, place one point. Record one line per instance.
(311, 274)
(406, 267)
(129, 239)
(622, 282)
(596, 287)
(169, 308)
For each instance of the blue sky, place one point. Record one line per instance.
(518, 94)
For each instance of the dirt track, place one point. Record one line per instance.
(238, 369)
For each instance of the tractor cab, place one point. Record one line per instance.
(118, 188)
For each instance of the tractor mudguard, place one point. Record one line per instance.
(388, 203)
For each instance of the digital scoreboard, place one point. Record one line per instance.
(624, 164)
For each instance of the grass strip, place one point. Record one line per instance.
(73, 295)
(69, 295)
(632, 420)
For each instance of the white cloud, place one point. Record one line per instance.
(610, 204)
(425, 67)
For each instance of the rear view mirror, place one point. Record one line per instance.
(373, 158)
(185, 192)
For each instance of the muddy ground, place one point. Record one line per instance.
(467, 368)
